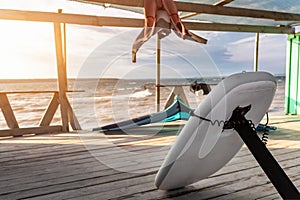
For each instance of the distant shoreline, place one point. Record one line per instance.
(28, 80)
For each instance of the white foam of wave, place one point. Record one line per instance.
(141, 94)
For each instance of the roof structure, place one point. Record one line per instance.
(269, 16)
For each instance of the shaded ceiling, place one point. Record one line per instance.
(288, 11)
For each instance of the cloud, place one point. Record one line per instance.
(234, 52)
(103, 51)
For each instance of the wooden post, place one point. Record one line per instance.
(62, 72)
(157, 85)
(72, 117)
(176, 91)
(8, 112)
(256, 53)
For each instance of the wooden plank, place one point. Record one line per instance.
(67, 155)
(51, 110)
(249, 162)
(212, 186)
(91, 183)
(8, 112)
(63, 152)
(211, 9)
(130, 22)
(57, 172)
(143, 185)
(70, 185)
(60, 168)
(65, 170)
(265, 191)
(75, 140)
(36, 91)
(26, 131)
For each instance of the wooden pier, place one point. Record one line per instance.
(87, 165)
(75, 166)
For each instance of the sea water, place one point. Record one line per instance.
(104, 101)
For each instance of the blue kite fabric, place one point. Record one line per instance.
(177, 111)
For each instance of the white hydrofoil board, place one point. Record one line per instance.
(202, 148)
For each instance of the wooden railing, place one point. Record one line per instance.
(44, 124)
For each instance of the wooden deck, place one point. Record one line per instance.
(79, 166)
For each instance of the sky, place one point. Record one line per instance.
(27, 48)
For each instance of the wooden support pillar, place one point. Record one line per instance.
(256, 51)
(62, 71)
(67, 114)
(157, 84)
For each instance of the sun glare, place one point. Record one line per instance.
(25, 48)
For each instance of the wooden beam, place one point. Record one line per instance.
(72, 117)
(220, 3)
(211, 9)
(132, 3)
(223, 2)
(238, 28)
(36, 91)
(90, 20)
(237, 12)
(130, 22)
(51, 110)
(26, 131)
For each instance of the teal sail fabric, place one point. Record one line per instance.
(178, 110)
(178, 116)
